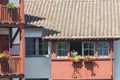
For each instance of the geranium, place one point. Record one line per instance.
(89, 58)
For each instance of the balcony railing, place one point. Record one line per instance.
(9, 15)
(10, 66)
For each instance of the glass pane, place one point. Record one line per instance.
(102, 48)
(62, 53)
(30, 46)
(105, 45)
(45, 46)
(99, 52)
(86, 46)
(91, 45)
(106, 52)
(64, 45)
(85, 52)
(40, 52)
(91, 52)
(45, 52)
(59, 53)
(61, 45)
(45, 42)
(40, 46)
(32, 52)
(58, 46)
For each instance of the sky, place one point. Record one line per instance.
(14, 1)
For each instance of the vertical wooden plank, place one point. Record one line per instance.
(22, 10)
(0, 12)
(111, 57)
(10, 32)
(22, 50)
(68, 46)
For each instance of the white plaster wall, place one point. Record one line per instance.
(15, 48)
(38, 67)
(4, 31)
(117, 60)
(17, 39)
(33, 32)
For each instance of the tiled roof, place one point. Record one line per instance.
(78, 19)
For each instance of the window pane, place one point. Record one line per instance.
(91, 52)
(45, 52)
(30, 46)
(100, 52)
(103, 48)
(61, 53)
(91, 45)
(86, 46)
(40, 52)
(43, 47)
(85, 52)
(105, 52)
(61, 48)
(61, 45)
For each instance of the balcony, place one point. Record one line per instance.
(64, 69)
(11, 67)
(9, 15)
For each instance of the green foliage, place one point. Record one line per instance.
(77, 58)
(11, 6)
(4, 55)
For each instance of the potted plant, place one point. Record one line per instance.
(89, 59)
(4, 56)
(11, 6)
(4, 61)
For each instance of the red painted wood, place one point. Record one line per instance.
(12, 65)
(98, 69)
(4, 2)
(4, 42)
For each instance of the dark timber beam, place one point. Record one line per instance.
(13, 38)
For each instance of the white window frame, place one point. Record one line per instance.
(83, 48)
(37, 48)
(103, 56)
(61, 49)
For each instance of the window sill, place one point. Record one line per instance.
(37, 56)
(68, 59)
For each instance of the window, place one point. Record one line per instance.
(76, 46)
(103, 49)
(88, 48)
(61, 49)
(36, 47)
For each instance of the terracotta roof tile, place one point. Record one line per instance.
(74, 18)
